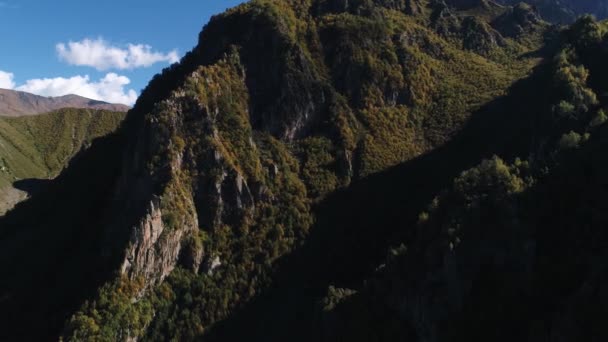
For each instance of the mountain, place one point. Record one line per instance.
(335, 170)
(37, 147)
(566, 11)
(18, 103)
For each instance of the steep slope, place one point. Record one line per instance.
(18, 103)
(263, 146)
(508, 251)
(38, 147)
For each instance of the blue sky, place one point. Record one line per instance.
(106, 50)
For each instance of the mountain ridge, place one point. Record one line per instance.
(565, 11)
(19, 103)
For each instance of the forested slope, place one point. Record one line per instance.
(302, 175)
(40, 146)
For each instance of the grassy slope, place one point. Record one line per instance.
(40, 146)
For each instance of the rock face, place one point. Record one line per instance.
(479, 36)
(154, 248)
(518, 20)
(444, 20)
(18, 103)
(187, 189)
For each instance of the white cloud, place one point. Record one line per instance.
(6, 80)
(102, 56)
(111, 88)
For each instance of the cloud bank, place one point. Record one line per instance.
(102, 56)
(111, 88)
(6, 80)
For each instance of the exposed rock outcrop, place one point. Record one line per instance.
(518, 20)
(211, 264)
(189, 188)
(479, 36)
(443, 20)
(154, 248)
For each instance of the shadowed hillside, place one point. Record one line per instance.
(357, 226)
(41, 146)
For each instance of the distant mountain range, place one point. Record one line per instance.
(566, 11)
(18, 103)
